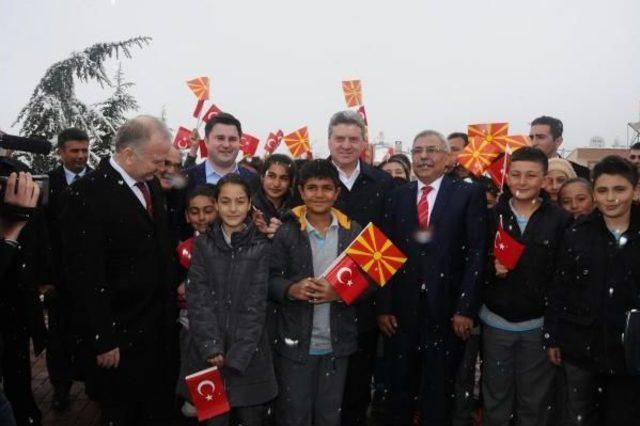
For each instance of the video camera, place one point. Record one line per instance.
(10, 165)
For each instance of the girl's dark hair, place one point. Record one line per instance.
(233, 178)
(283, 160)
(397, 161)
(580, 180)
(615, 165)
(318, 169)
(205, 190)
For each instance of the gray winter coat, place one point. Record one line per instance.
(226, 294)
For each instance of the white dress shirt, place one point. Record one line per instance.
(131, 182)
(431, 197)
(69, 175)
(348, 181)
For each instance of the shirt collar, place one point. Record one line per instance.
(313, 231)
(435, 185)
(70, 175)
(131, 182)
(343, 175)
(210, 171)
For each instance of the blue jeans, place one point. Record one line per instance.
(6, 413)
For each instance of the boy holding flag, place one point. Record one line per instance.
(526, 228)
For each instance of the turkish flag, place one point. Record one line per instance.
(198, 109)
(207, 393)
(498, 170)
(183, 138)
(211, 112)
(363, 114)
(346, 279)
(184, 252)
(507, 249)
(273, 141)
(204, 152)
(249, 144)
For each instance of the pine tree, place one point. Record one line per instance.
(53, 106)
(111, 115)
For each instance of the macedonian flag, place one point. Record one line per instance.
(298, 142)
(200, 87)
(512, 143)
(376, 254)
(478, 154)
(488, 131)
(352, 92)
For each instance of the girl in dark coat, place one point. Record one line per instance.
(226, 294)
(274, 197)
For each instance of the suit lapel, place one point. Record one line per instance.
(126, 193)
(442, 199)
(412, 194)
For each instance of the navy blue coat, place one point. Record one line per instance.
(445, 272)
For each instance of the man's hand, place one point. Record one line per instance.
(501, 271)
(555, 356)
(180, 295)
(26, 195)
(322, 291)
(195, 143)
(109, 359)
(217, 361)
(388, 324)
(301, 290)
(462, 326)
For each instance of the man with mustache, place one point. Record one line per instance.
(427, 310)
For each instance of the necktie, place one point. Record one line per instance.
(423, 207)
(142, 186)
(75, 178)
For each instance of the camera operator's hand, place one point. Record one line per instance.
(23, 194)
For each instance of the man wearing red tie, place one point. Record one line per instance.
(427, 310)
(116, 251)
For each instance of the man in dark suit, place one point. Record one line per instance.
(117, 264)
(362, 193)
(428, 308)
(546, 135)
(222, 137)
(73, 149)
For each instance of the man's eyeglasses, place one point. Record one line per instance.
(429, 150)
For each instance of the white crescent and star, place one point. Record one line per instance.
(343, 271)
(202, 385)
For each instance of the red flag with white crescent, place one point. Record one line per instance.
(211, 112)
(507, 249)
(248, 144)
(273, 141)
(184, 253)
(182, 139)
(346, 279)
(208, 393)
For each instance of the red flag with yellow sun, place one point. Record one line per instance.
(376, 254)
(352, 92)
(298, 142)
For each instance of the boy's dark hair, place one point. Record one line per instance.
(635, 146)
(283, 160)
(206, 190)
(253, 162)
(460, 135)
(531, 154)
(615, 165)
(72, 134)
(318, 169)
(222, 118)
(555, 125)
(235, 179)
(580, 180)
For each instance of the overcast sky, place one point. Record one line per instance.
(278, 64)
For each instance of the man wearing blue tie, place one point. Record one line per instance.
(427, 310)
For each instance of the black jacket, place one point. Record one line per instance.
(262, 203)
(522, 294)
(597, 283)
(291, 261)
(117, 264)
(364, 203)
(227, 306)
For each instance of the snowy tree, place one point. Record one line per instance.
(53, 106)
(111, 115)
